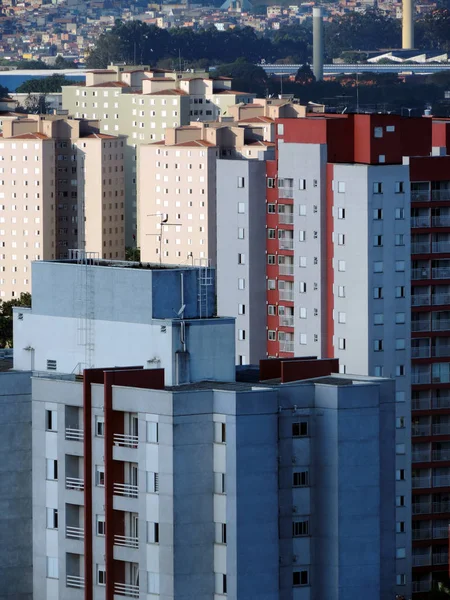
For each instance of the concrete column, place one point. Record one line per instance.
(318, 43)
(408, 25)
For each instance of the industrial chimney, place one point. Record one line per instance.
(318, 43)
(408, 25)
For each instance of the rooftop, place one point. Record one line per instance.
(120, 264)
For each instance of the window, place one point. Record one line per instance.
(101, 575)
(378, 293)
(399, 239)
(341, 239)
(302, 287)
(378, 267)
(241, 284)
(300, 528)
(302, 236)
(51, 365)
(400, 473)
(152, 482)
(271, 234)
(271, 259)
(400, 344)
(341, 291)
(52, 469)
(302, 210)
(302, 261)
(378, 319)
(300, 478)
(342, 317)
(341, 187)
(341, 265)
(152, 432)
(300, 578)
(240, 182)
(100, 475)
(153, 583)
(399, 187)
(378, 214)
(221, 533)
(377, 187)
(378, 345)
(341, 343)
(303, 339)
(400, 501)
(220, 433)
(241, 259)
(302, 184)
(152, 533)
(52, 518)
(280, 129)
(400, 449)
(52, 567)
(51, 420)
(399, 214)
(300, 429)
(241, 335)
(399, 266)
(400, 318)
(399, 396)
(377, 240)
(341, 213)
(400, 527)
(401, 579)
(219, 578)
(378, 132)
(400, 553)
(381, 158)
(378, 371)
(271, 284)
(400, 291)
(219, 483)
(271, 209)
(303, 312)
(100, 426)
(241, 309)
(270, 182)
(400, 423)
(241, 208)
(271, 335)
(100, 525)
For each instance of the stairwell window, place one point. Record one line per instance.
(51, 469)
(240, 182)
(100, 475)
(300, 479)
(377, 187)
(101, 575)
(51, 420)
(300, 429)
(300, 528)
(152, 533)
(300, 578)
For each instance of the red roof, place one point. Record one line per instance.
(120, 84)
(168, 93)
(100, 136)
(257, 120)
(29, 136)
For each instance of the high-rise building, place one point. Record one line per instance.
(179, 481)
(61, 187)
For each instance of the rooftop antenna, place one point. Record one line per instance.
(163, 223)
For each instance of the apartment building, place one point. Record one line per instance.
(142, 103)
(141, 482)
(351, 253)
(61, 187)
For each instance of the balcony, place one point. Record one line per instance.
(74, 483)
(287, 295)
(421, 586)
(441, 507)
(441, 480)
(420, 196)
(440, 559)
(126, 589)
(440, 533)
(438, 402)
(286, 244)
(437, 247)
(440, 351)
(420, 352)
(421, 534)
(421, 508)
(439, 299)
(74, 581)
(421, 403)
(285, 192)
(420, 429)
(443, 221)
(74, 533)
(421, 273)
(286, 218)
(287, 321)
(421, 456)
(126, 541)
(424, 221)
(420, 300)
(74, 434)
(286, 346)
(441, 428)
(421, 482)
(421, 560)
(286, 269)
(420, 325)
(441, 455)
(441, 273)
(420, 247)
(126, 489)
(125, 440)
(440, 195)
(441, 325)
(420, 378)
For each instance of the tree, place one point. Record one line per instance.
(133, 254)
(6, 320)
(3, 91)
(246, 76)
(37, 104)
(62, 63)
(44, 85)
(35, 65)
(305, 74)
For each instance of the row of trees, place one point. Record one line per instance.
(6, 320)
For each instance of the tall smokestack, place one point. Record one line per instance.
(408, 25)
(318, 43)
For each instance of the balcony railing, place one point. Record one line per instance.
(421, 273)
(440, 533)
(421, 586)
(440, 325)
(74, 434)
(420, 325)
(126, 589)
(420, 352)
(421, 508)
(74, 533)
(440, 559)
(421, 534)
(421, 403)
(128, 441)
(420, 196)
(420, 247)
(437, 247)
(286, 346)
(286, 244)
(440, 402)
(441, 350)
(441, 480)
(421, 456)
(438, 299)
(286, 269)
(437, 195)
(421, 482)
(287, 321)
(126, 489)
(420, 299)
(74, 483)
(285, 192)
(421, 560)
(442, 221)
(441, 273)
(420, 378)
(421, 429)
(441, 428)
(286, 218)
(126, 541)
(74, 581)
(420, 221)
(287, 295)
(441, 507)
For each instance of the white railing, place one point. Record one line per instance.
(421, 534)
(287, 321)
(421, 508)
(420, 195)
(420, 221)
(440, 533)
(74, 533)
(441, 455)
(123, 439)
(286, 218)
(287, 295)
(422, 560)
(440, 402)
(441, 273)
(285, 192)
(420, 247)
(126, 489)
(441, 507)
(437, 195)
(438, 299)
(441, 428)
(421, 482)
(421, 586)
(421, 456)
(74, 434)
(420, 377)
(126, 541)
(74, 581)
(286, 269)
(286, 244)
(420, 352)
(286, 346)
(442, 221)
(441, 480)
(437, 247)
(440, 559)
(421, 429)
(421, 325)
(420, 403)
(420, 299)
(421, 273)
(126, 589)
(74, 483)
(440, 325)
(441, 350)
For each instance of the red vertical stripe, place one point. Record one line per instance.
(329, 348)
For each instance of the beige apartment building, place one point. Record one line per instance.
(143, 104)
(61, 187)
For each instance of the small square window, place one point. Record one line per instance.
(400, 527)
(241, 208)
(378, 318)
(302, 184)
(100, 525)
(378, 267)
(341, 343)
(399, 214)
(399, 187)
(377, 187)
(400, 344)
(400, 474)
(378, 214)
(400, 291)
(342, 317)
(399, 266)
(400, 318)
(100, 475)
(378, 345)
(399, 239)
(341, 187)
(400, 553)
(400, 449)
(378, 293)
(271, 335)
(101, 575)
(377, 240)
(401, 579)
(400, 501)
(300, 578)
(241, 309)
(271, 209)
(300, 479)
(300, 429)
(341, 265)
(341, 213)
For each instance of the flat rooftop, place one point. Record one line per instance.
(120, 264)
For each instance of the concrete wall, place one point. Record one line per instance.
(15, 491)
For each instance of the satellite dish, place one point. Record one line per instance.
(181, 311)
